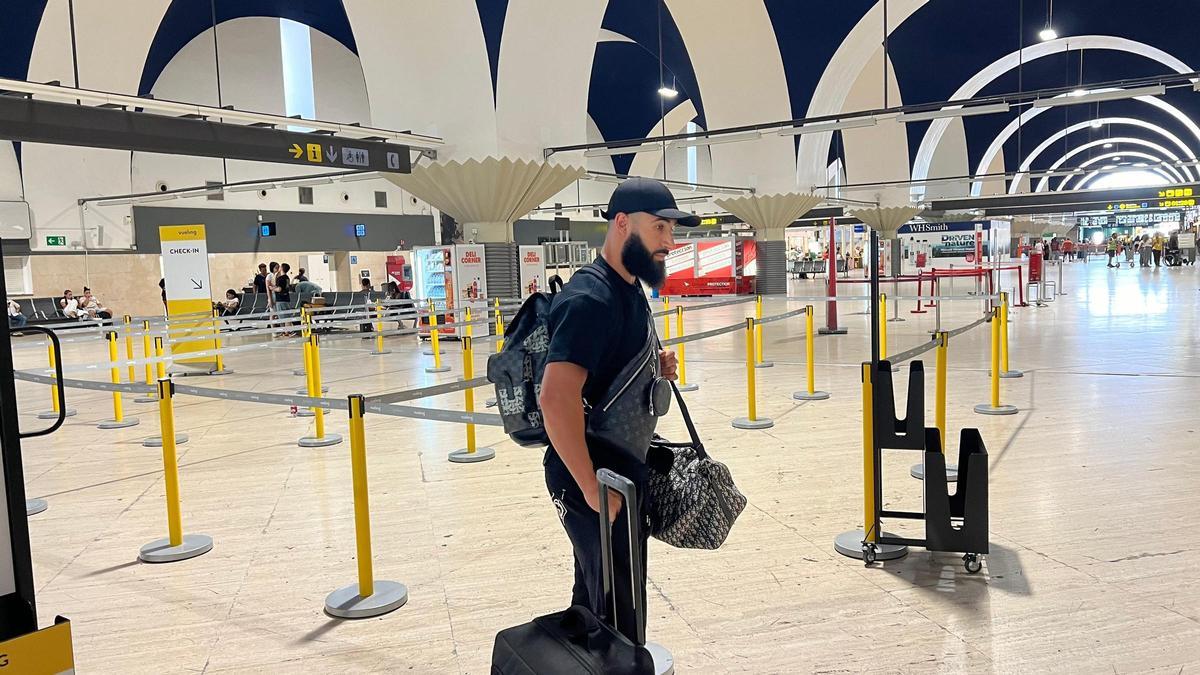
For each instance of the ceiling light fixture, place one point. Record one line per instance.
(1048, 34)
(667, 92)
(1107, 146)
(717, 140)
(956, 111)
(626, 150)
(1096, 124)
(1083, 96)
(832, 125)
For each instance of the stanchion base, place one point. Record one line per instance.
(987, 409)
(664, 663)
(764, 364)
(51, 415)
(918, 471)
(299, 373)
(443, 369)
(427, 352)
(464, 457)
(896, 318)
(917, 311)
(307, 412)
(161, 550)
(145, 399)
(304, 392)
(850, 544)
(156, 441)
(221, 372)
(123, 424)
(490, 403)
(689, 387)
(314, 442)
(386, 351)
(747, 423)
(346, 603)
(833, 331)
(815, 396)
(35, 506)
(1011, 374)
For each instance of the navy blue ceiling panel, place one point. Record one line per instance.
(623, 98)
(491, 17)
(934, 56)
(17, 32)
(808, 40)
(186, 19)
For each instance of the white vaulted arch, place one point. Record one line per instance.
(1170, 173)
(1028, 161)
(1096, 174)
(1044, 183)
(996, 69)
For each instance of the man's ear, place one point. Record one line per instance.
(622, 222)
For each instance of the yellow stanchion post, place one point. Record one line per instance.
(499, 328)
(161, 366)
(939, 407)
(177, 546)
(470, 454)
(55, 403)
(751, 420)
(810, 394)
(379, 349)
(320, 439)
(1004, 370)
(305, 331)
(666, 319)
(437, 347)
(147, 354)
(129, 347)
(994, 407)
(680, 350)
(220, 365)
(118, 421)
(369, 596)
(883, 322)
(758, 335)
(468, 330)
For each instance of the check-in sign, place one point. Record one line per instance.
(185, 262)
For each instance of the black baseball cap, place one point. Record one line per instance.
(651, 196)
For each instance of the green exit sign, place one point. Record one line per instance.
(56, 241)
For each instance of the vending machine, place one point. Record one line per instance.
(452, 277)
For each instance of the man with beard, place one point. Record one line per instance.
(598, 324)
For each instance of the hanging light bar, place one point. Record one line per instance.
(1081, 96)
(957, 111)
(835, 125)
(717, 140)
(626, 150)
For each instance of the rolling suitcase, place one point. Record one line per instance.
(576, 640)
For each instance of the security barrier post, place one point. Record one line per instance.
(470, 454)
(758, 335)
(1004, 371)
(437, 348)
(666, 318)
(320, 439)
(939, 408)
(994, 407)
(118, 421)
(157, 441)
(147, 355)
(751, 420)
(129, 348)
(305, 330)
(220, 365)
(379, 350)
(864, 544)
(811, 394)
(312, 387)
(499, 328)
(367, 597)
(55, 402)
(679, 350)
(883, 322)
(177, 546)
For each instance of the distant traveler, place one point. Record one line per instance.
(394, 293)
(306, 291)
(70, 306)
(1157, 247)
(228, 306)
(162, 285)
(92, 305)
(271, 284)
(300, 276)
(1111, 249)
(260, 279)
(1068, 250)
(15, 318)
(367, 293)
(599, 323)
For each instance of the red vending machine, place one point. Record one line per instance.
(400, 270)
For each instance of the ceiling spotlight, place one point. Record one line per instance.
(1078, 92)
(1107, 146)
(1096, 124)
(1048, 34)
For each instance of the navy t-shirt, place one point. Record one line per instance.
(600, 327)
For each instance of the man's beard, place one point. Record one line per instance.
(640, 262)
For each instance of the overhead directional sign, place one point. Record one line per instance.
(23, 119)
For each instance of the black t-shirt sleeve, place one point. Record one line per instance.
(581, 330)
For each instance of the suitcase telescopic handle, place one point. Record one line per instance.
(624, 487)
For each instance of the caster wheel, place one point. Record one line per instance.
(972, 563)
(869, 554)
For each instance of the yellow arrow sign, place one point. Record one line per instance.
(296, 151)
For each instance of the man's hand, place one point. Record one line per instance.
(614, 502)
(668, 364)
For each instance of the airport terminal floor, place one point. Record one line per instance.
(1091, 566)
